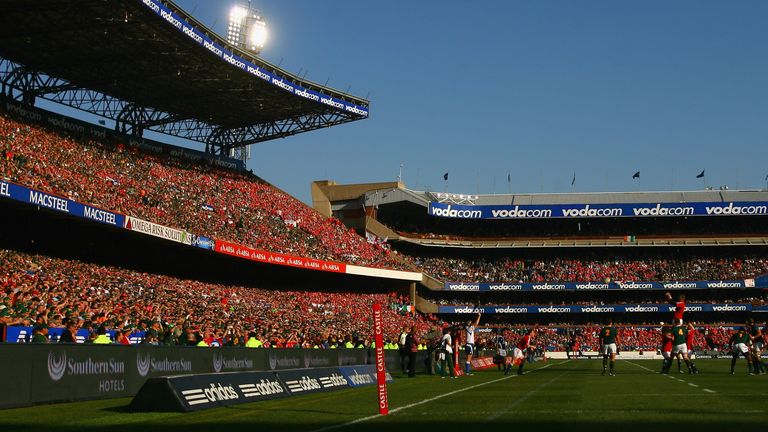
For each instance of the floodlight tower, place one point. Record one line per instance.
(247, 28)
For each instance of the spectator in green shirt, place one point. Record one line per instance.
(40, 334)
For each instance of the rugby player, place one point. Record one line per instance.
(739, 343)
(680, 334)
(501, 347)
(689, 344)
(608, 343)
(756, 338)
(519, 352)
(679, 306)
(666, 347)
(469, 347)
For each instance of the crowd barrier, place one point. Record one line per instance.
(47, 373)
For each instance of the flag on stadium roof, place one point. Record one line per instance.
(636, 175)
(573, 182)
(701, 174)
(445, 176)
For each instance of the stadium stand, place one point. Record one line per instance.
(240, 207)
(205, 200)
(36, 289)
(497, 269)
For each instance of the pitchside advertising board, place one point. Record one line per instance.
(68, 372)
(602, 286)
(199, 37)
(574, 309)
(361, 375)
(303, 381)
(741, 208)
(195, 392)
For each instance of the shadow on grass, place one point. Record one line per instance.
(391, 424)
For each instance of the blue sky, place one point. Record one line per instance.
(534, 89)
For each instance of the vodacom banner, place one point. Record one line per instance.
(381, 368)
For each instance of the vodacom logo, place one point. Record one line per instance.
(57, 365)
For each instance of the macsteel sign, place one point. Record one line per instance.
(229, 248)
(246, 65)
(571, 309)
(59, 204)
(741, 208)
(601, 286)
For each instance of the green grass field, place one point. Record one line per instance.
(569, 395)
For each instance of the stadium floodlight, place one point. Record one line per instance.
(247, 28)
(237, 14)
(257, 35)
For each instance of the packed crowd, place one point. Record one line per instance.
(195, 197)
(593, 270)
(39, 291)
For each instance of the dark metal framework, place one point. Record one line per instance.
(257, 112)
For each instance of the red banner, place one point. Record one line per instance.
(246, 252)
(381, 367)
(480, 363)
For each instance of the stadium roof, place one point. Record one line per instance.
(149, 65)
(375, 197)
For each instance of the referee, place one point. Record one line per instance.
(469, 348)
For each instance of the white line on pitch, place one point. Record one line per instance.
(587, 411)
(522, 399)
(670, 376)
(364, 419)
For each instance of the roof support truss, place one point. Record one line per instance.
(25, 85)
